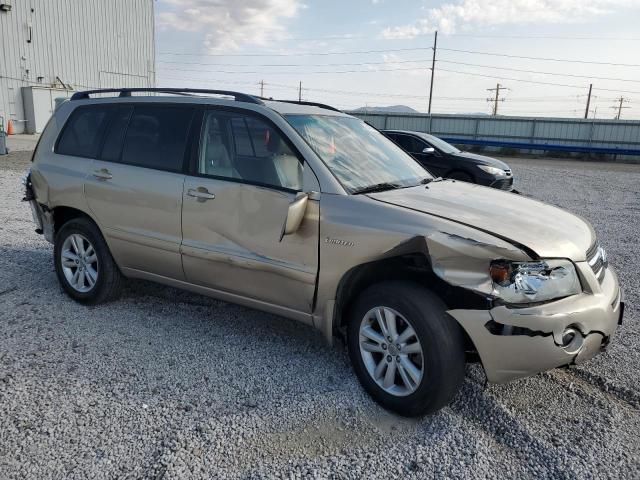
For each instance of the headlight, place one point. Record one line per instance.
(491, 170)
(528, 282)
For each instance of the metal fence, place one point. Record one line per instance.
(535, 134)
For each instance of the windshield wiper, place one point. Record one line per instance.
(378, 187)
(428, 180)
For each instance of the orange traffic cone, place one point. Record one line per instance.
(10, 128)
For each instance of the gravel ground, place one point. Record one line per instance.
(164, 383)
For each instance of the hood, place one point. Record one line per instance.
(548, 231)
(482, 160)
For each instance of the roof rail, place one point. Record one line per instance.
(302, 102)
(126, 92)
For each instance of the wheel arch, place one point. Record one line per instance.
(62, 214)
(414, 267)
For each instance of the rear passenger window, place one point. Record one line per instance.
(82, 133)
(113, 140)
(156, 137)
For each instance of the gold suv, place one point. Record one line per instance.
(298, 209)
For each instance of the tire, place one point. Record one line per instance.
(108, 280)
(439, 336)
(461, 176)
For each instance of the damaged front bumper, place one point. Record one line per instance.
(518, 342)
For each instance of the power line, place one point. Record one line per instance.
(296, 64)
(314, 72)
(547, 59)
(539, 72)
(537, 82)
(473, 35)
(299, 54)
(391, 50)
(399, 62)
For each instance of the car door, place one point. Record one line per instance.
(134, 188)
(236, 197)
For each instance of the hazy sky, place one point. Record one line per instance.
(353, 53)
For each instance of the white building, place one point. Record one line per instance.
(50, 48)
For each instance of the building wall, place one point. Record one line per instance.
(543, 131)
(82, 43)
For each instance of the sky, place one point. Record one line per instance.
(366, 53)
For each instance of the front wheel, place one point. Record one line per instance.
(83, 262)
(407, 352)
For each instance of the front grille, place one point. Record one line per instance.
(597, 259)
(503, 184)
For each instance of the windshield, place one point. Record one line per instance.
(360, 157)
(440, 144)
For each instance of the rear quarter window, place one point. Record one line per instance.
(82, 133)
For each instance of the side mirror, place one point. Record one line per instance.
(295, 214)
(429, 150)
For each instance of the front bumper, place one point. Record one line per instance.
(503, 183)
(518, 342)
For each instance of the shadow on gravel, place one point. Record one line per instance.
(475, 405)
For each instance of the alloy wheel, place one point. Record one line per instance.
(391, 351)
(79, 262)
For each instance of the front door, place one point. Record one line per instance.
(234, 207)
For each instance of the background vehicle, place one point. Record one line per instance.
(445, 160)
(223, 197)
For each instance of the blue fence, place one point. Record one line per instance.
(537, 134)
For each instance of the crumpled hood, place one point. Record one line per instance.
(548, 231)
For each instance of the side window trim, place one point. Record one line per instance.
(193, 170)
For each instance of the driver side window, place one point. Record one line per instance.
(245, 148)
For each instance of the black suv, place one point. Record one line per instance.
(445, 160)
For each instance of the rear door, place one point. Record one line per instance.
(134, 188)
(235, 203)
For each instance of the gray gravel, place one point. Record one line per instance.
(164, 383)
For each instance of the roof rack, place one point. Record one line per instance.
(302, 102)
(126, 92)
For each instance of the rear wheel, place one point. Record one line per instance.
(83, 263)
(407, 352)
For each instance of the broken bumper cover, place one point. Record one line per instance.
(518, 342)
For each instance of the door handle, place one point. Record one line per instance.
(103, 174)
(201, 194)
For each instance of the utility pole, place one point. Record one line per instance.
(586, 112)
(497, 97)
(300, 92)
(619, 107)
(262, 88)
(433, 69)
